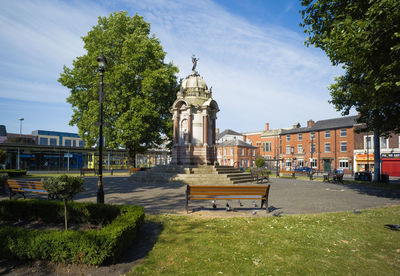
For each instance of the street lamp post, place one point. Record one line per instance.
(100, 190)
(20, 134)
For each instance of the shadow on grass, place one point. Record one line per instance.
(144, 243)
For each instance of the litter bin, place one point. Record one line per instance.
(385, 178)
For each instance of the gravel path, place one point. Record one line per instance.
(287, 196)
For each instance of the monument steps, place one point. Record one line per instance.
(192, 175)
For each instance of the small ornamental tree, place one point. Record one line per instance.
(64, 187)
(260, 162)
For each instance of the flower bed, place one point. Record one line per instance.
(120, 224)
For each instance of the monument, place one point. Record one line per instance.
(194, 152)
(194, 114)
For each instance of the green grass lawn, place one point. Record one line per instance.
(323, 244)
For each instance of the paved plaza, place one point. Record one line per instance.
(287, 196)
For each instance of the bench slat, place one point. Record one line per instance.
(23, 186)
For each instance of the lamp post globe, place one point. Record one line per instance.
(102, 61)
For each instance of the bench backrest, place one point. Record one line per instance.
(208, 192)
(24, 185)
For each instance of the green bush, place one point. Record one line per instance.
(260, 162)
(120, 226)
(14, 173)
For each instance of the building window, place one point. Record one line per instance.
(219, 152)
(231, 151)
(287, 137)
(368, 142)
(312, 148)
(53, 142)
(242, 151)
(327, 147)
(67, 142)
(312, 135)
(299, 149)
(267, 146)
(300, 137)
(74, 143)
(288, 163)
(300, 162)
(313, 163)
(254, 152)
(343, 146)
(287, 149)
(81, 144)
(343, 164)
(43, 141)
(327, 134)
(384, 143)
(343, 132)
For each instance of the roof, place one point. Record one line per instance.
(227, 132)
(335, 123)
(236, 142)
(341, 122)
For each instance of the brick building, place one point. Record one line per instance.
(267, 141)
(324, 145)
(236, 153)
(233, 151)
(364, 153)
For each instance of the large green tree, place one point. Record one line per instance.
(363, 36)
(139, 87)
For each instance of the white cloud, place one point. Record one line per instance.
(258, 73)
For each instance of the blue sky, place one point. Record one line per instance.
(251, 52)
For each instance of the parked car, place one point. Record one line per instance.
(302, 169)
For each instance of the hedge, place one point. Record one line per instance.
(14, 173)
(95, 247)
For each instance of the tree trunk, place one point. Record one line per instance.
(65, 215)
(377, 157)
(131, 156)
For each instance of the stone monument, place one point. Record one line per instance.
(194, 114)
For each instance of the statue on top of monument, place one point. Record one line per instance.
(194, 61)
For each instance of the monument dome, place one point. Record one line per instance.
(194, 81)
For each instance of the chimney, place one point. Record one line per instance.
(310, 123)
(266, 126)
(217, 131)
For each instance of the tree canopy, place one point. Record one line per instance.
(362, 36)
(139, 87)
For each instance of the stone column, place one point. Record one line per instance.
(205, 130)
(176, 129)
(190, 129)
(213, 131)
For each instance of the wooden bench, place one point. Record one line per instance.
(259, 176)
(87, 170)
(333, 177)
(26, 186)
(201, 192)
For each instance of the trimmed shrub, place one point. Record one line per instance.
(14, 173)
(94, 247)
(260, 162)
